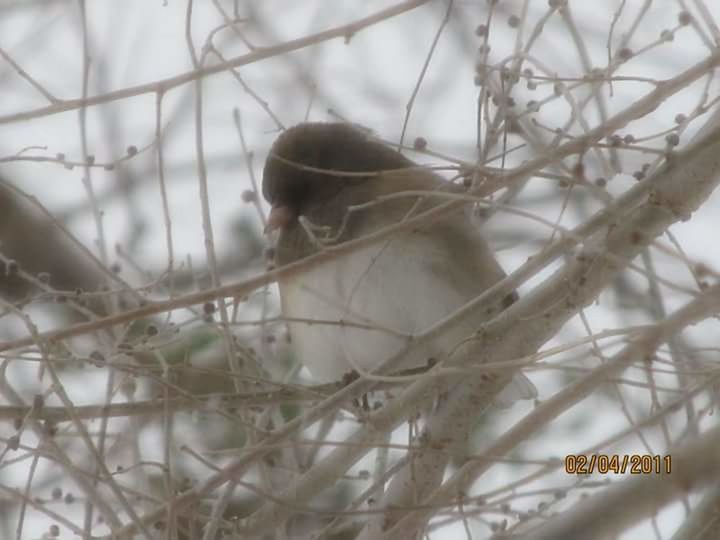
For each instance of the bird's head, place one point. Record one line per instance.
(310, 163)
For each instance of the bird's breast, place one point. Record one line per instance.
(355, 311)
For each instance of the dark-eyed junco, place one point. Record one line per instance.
(356, 310)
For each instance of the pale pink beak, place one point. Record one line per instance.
(279, 217)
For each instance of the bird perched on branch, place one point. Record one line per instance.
(330, 183)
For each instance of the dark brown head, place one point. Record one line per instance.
(329, 149)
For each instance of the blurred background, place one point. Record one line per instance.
(113, 117)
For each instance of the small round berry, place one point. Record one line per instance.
(420, 143)
(248, 196)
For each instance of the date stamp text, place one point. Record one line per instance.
(618, 464)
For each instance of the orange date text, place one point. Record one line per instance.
(618, 464)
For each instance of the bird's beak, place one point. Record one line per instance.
(279, 217)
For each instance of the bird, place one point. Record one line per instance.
(331, 182)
